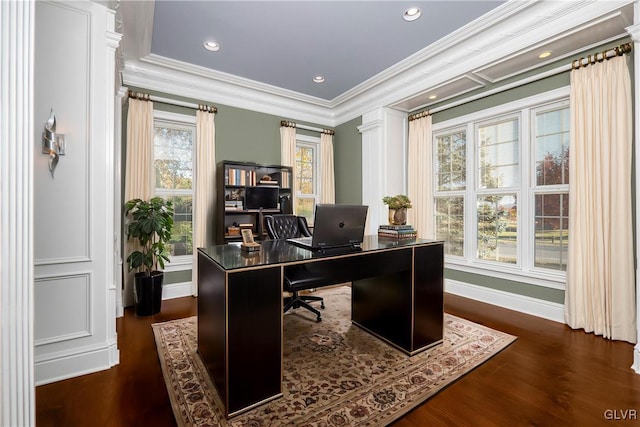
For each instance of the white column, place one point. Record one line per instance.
(634, 32)
(121, 98)
(114, 278)
(384, 161)
(17, 396)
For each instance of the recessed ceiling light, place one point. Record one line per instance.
(433, 96)
(212, 46)
(411, 14)
(544, 54)
(318, 79)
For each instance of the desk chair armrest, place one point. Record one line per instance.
(304, 227)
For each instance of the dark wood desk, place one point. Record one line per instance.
(397, 295)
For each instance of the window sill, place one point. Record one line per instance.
(181, 263)
(536, 277)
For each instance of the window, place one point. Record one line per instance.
(173, 145)
(307, 176)
(551, 190)
(450, 190)
(501, 196)
(498, 165)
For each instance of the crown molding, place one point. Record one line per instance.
(180, 79)
(511, 28)
(520, 27)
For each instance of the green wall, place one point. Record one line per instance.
(347, 154)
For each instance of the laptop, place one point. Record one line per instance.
(335, 226)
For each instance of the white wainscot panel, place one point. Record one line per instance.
(62, 307)
(62, 84)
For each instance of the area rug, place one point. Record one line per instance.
(335, 374)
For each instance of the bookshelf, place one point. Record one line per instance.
(246, 192)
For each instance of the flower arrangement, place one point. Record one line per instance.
(399, 201)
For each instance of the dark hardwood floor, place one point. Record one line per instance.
(551, 376)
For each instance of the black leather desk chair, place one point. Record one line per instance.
(299, 278)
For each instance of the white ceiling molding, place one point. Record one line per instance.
(504, 33)
(600, 31)
(541, 21)
(232, 79)
(203, 88)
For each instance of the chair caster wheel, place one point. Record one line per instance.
(318, 319)
(322, 306)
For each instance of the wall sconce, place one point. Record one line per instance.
(52, 142)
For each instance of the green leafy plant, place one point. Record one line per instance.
(397, 202)
(151, 224)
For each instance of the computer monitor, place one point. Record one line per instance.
(261, 197)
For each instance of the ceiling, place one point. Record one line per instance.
(287, 43)
(271, 50)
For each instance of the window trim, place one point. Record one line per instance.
(181, 262)
(523, 271)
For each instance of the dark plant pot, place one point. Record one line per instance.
(148, 293)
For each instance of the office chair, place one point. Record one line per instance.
(297, 278)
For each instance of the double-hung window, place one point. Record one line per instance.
(451, 185)
(497, 164)
(551, 187)
(173, 163)
(307, 179)
(501, 190)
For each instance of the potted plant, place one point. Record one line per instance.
(398, 206)
(150, 225)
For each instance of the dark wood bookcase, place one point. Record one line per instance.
(241, 186)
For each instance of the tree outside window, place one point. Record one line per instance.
(306, 179)
(173, 172)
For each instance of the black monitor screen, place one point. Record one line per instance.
(261, 197)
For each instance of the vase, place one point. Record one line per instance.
(398, 216)
(147, 293)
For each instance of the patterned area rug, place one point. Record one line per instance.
(335, 374)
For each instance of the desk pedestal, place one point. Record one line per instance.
(240, 333)
(403, 302)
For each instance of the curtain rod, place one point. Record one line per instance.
(419, 115)
(146, 97)
(288, 124)
(624, 48)
(605, 54)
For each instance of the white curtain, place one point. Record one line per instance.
(600, 290)
(205, 173)
(328, 194)
(138, 177)
(288, 155)
(420, 177)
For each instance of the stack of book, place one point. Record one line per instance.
(397, 231)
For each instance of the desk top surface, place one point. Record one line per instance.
(231, 257)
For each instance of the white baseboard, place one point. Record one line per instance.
(524, 304)
(636, 358)
(176, 290)
(62, 366)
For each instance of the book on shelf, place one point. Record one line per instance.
(267, 182)
(233, 205)
(285, 176)
(235, 176)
